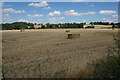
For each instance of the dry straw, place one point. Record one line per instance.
(67, 31)
(73, 36)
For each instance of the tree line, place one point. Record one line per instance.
(102, 23)
(66, 25)
(25, 25)
(17, 25)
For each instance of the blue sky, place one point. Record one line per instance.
(61, 0)
(59, 12)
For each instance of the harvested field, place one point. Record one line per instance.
(48, 52)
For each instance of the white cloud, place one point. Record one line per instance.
(81, 21)
(35, 15)
(22, 20)
(42, 4)
(30, 21)
(55, 13)
(113, 18)
(107, 20)
(107, 12)
(54, 19)
(10, 10)
(6, 18)
(89, 13)
(77, 0)
(47, 8)
(73, 13)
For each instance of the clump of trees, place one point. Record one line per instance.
(90, 27)
(115, 26)
(17, 25)
(43, 26)
(103, 23)
(100, 23)
(66, 25)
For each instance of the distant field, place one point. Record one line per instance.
(48, 52)
(99, 26)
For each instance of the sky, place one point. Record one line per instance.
(59, 12)
(61, 0)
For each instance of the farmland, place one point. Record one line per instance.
(48, 52)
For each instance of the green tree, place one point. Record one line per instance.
(43, 26)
